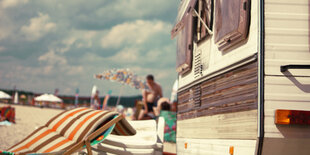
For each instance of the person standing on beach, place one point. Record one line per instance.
(151, 96)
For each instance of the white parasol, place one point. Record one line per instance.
(48, 98)
(4, 95)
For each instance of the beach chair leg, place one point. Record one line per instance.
(88, 147)
(74, 148)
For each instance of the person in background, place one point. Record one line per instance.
(165, 106)
(150, 97)
(1, 118)
(159, 105)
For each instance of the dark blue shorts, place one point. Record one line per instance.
(150, 106)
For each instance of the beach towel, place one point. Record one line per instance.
(170, 125)
(5, 123)
(8, 113)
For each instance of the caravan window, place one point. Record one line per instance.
(231, 22)
(184, 32)
(194, 26)
(185, 45)
(203, 19)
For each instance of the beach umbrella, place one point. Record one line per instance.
(125, 77)
(15, 98)
(106, 99)
(43, 97)
(174, 92)
(54, 98)
(93, 93)
(76, 100)
(23, 96)
(4, 95)
(48, 98)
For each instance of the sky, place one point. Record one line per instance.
(49, 44)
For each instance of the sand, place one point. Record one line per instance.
(27, 120)
(30, 118)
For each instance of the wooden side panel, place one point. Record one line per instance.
(238, 125)
(230, 92)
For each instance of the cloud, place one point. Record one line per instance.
(5, 25)
(140, 8)
(39, 79)
(126, 55)
(73, 70)
(135, 9)
(62, 44)
(136, 32)
(12, 3)
(69, 41)
(77, 40)
(52, 58)
(38, 27)
(54, 61)
(4, 32)
(2, 48)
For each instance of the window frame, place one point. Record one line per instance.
(204, 11)
(228, 37)
(186, 26)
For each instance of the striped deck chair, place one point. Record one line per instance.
(72, 131)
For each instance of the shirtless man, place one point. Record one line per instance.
(151, 96)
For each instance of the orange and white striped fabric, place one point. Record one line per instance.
(67, 129)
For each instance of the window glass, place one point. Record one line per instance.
(204, 9)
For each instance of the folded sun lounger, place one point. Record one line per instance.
(147, 141)
(72, 131)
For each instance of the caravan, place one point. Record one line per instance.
(244, 77)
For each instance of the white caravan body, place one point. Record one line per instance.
(244, 77)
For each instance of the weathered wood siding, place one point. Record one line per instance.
(237, 125)
(233, 91)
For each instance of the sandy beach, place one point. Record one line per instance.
(27, 120)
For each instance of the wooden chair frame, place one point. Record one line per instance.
(87, 140)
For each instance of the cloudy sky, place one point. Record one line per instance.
(49, 44)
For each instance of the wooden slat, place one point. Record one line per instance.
(233, 91)
(183, 97)
(237, 125)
